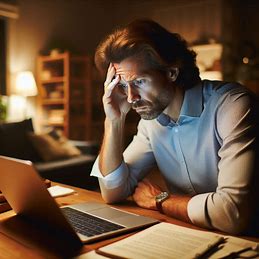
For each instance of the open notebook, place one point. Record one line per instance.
(165, 240)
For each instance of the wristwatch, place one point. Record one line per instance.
(160, 198)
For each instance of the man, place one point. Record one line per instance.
(200, 134)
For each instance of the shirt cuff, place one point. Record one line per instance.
(196, 210)
(112, 180)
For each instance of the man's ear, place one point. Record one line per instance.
(173, 73)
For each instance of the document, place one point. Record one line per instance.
(58, 191)
(166, 240)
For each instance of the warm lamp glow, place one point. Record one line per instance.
(25, 84)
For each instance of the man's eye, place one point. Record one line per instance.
(140, 82)
(122, 86)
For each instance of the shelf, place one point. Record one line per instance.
(53, 58)
(53, 101)
(53, 80)
(65, 91)
(55, 124)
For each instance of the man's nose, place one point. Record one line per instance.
(132, 94)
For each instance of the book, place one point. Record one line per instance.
(166, 240)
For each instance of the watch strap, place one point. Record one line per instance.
(159, 207)
(160, 198)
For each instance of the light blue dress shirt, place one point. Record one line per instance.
(208, 154)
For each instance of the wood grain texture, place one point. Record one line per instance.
(20, 239)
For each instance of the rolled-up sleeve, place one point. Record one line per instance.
(112, 180)
(230, 207)
(115, 186)
(137, 160)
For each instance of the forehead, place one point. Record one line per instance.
(130, 68)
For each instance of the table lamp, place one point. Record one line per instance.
(25, 86)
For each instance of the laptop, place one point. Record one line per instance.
(85, 222)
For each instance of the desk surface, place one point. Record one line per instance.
(19, 247)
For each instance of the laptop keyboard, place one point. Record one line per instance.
(88, 225)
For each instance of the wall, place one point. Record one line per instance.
(240, 39)
(79, 25)
(194, 20)
(45, 24)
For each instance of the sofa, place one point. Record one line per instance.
(15, 141)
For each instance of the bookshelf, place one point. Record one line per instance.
(64, 82)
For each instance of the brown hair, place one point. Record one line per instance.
(160, 48)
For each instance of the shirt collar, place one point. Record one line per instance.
(192, 105)
(193, 102)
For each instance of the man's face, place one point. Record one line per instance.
(149, 91)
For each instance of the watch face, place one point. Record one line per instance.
(162, 196)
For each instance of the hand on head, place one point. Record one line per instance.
(114, 100)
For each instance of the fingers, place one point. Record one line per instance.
(108, 88)
(145, 180)
(111, 81)
(149, 183)
(146, 185)
(110, 74)
(144, 196)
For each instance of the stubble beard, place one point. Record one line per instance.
(155, 108)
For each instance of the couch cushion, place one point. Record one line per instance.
(53, 146)
(14, 140)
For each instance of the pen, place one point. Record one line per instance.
(210, 248)
(236, 254)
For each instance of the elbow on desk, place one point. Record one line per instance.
(232, 221)
(114, 195)
(111, 196)
(233, 226)
(109, 200)
(112, 200)
(221, 212)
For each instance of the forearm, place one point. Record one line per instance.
(110, 156)
(176, 206)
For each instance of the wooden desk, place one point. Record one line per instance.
(27, 244)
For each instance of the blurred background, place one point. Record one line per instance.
(47, 46)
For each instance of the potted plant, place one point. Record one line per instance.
(3, 109)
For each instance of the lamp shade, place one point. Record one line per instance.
(25, 84)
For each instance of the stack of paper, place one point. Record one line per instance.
(166, 240)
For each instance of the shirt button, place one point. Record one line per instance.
(175, 130)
